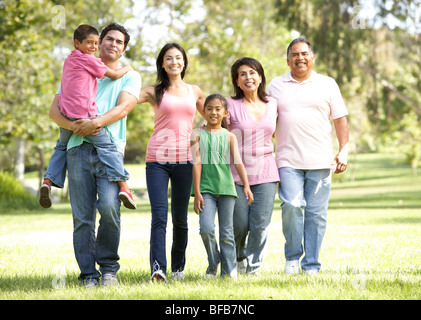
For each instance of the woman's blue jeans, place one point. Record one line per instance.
(305, 196)
(227, 257)
(252, 221)
(157, 179)
(90, 190)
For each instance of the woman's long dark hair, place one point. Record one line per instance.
(252, 63)
(162, 79)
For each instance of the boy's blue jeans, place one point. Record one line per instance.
(90, 190)
(227, 255)
(107, 153)
(305, 196)
(157, 180)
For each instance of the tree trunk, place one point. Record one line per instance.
(20, 159)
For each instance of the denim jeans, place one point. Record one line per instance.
(305, 196)
(157, 179)
(252, 221)
(107, 153)
(227, 257)
(90, 190)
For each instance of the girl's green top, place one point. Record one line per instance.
(216, 177)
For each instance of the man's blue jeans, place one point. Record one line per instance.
(157, 180)
(251, 223)
(90, 190)
(107, 152)
(227, 256)
(305, 196)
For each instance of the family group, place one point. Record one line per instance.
(229, 165)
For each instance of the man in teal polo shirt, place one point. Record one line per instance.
(89, 187)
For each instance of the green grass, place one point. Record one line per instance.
(371, 249)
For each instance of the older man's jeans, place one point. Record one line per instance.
(305, 196)
(90, 190)
(251, 223)
(157, 180)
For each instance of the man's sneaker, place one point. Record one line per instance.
(109, 279)
(126, 196)
(177, 275)
(45, 195)
(211, 273)
(292, 267)
(90, 283)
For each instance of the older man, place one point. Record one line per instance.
(88, 183)
(304, 153)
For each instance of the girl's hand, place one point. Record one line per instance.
(249, 195)
(198, 203)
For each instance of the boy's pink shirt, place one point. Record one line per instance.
(79, 84)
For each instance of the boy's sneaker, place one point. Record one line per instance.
(45, 195)
(126, 196)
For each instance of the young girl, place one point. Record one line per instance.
(76, 101)
(213, 185)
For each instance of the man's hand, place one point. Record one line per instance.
(340, 162)
(86, 127)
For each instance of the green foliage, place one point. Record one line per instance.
(13, 196)
(376, 66)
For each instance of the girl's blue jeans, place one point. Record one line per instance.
(227, 256)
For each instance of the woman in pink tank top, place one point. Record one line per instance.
(168, 157)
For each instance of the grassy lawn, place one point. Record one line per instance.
(371, 249)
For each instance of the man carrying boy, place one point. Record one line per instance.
(89, 187)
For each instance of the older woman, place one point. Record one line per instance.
(252, 118)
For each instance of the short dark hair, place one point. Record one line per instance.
(118, 27)
(254, 64)
(83, 31)
(300, 40)
(219, 97)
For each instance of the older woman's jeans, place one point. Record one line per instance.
(305, 196)
(90, 190)
(226, 254)
(252, 221)
(157, 179)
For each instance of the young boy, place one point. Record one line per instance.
(213, 185)
(77, 101)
